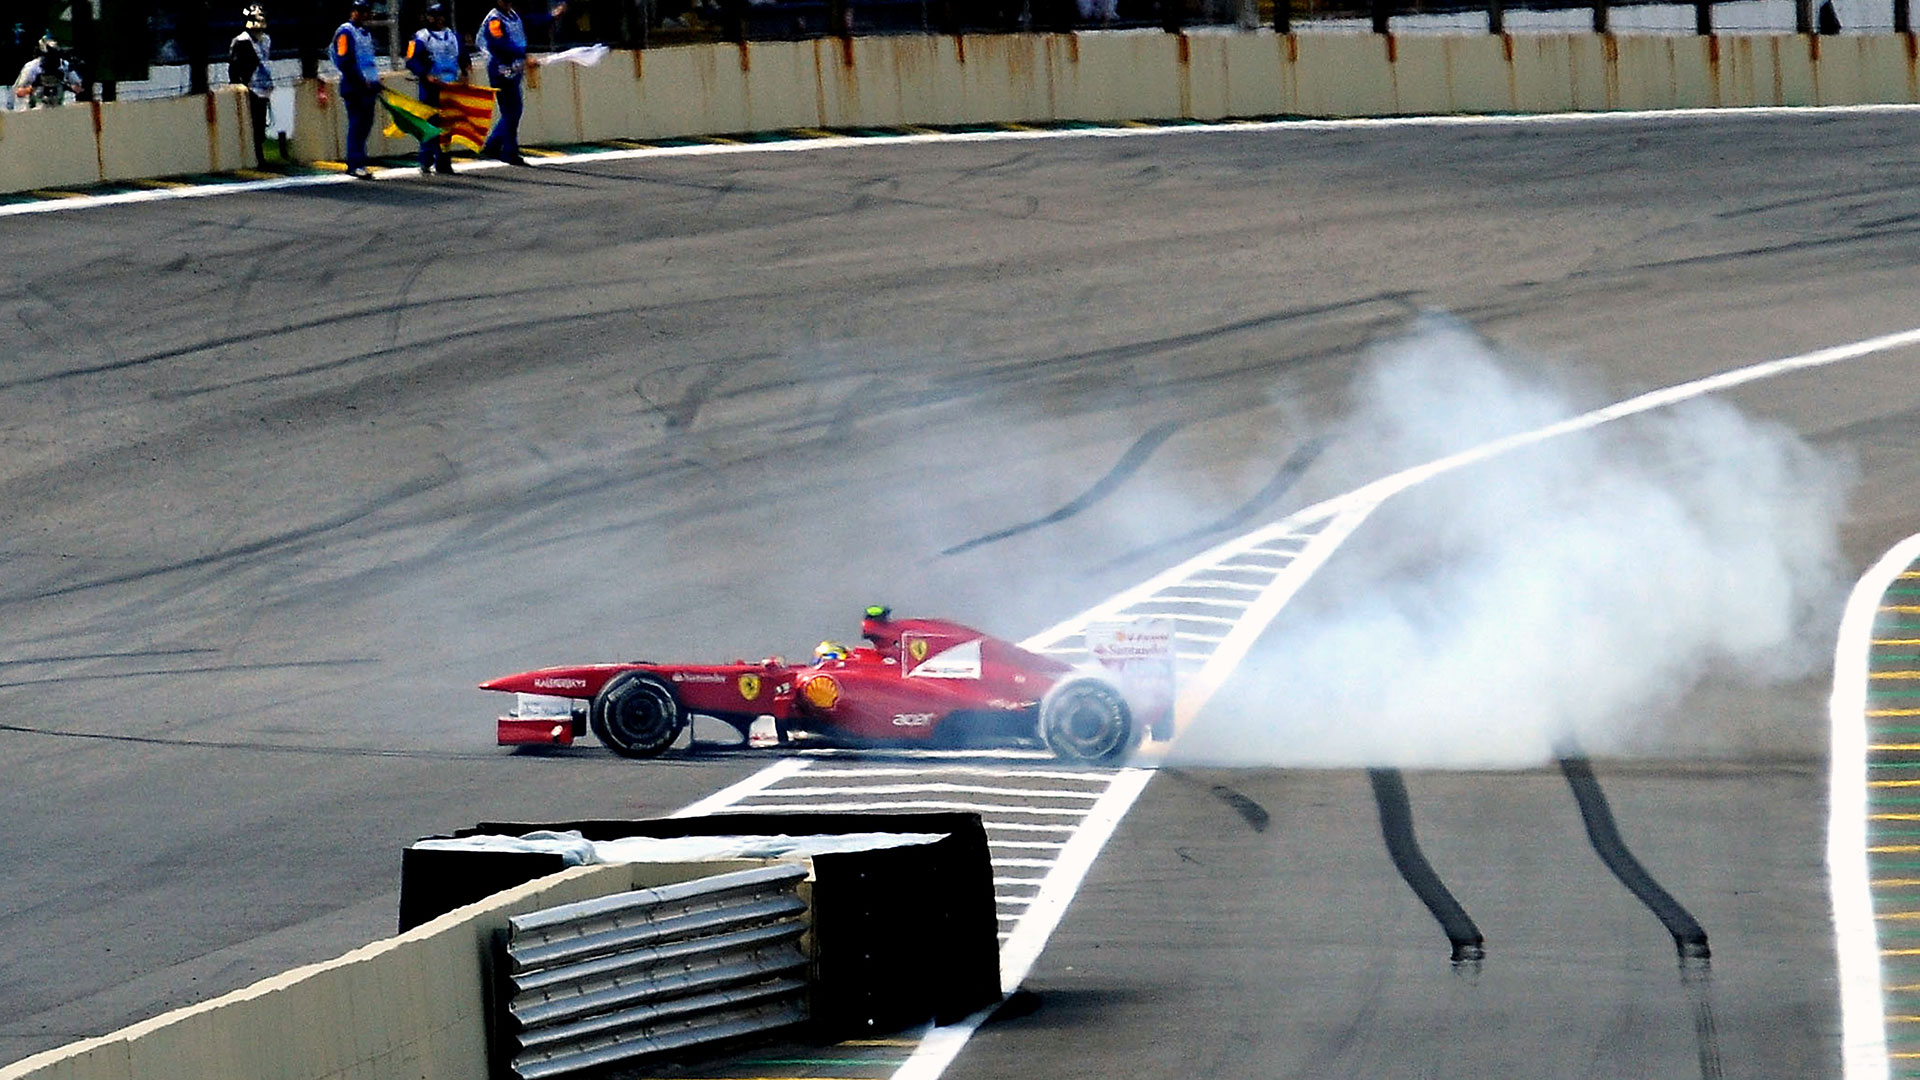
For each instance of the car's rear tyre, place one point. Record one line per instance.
(1087, 720)
(636, 715)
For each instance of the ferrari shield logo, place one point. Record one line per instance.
(749, 686)
(917, 648)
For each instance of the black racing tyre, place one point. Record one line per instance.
(1087, 720)
(637, 716)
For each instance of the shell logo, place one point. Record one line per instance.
(821, 691)
(917, 648)
(749, 686)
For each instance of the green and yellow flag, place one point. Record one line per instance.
(410, 117)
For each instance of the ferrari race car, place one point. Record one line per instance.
(915, 683)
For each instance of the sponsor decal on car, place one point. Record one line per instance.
(917, 648)
(749, 686)
(698, 676)
(560, 684)
(821, 691)
(913, 719)
(960, 662)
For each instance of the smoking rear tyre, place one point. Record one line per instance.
(1087, 721)
(636, 715)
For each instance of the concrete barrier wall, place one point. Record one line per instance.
(88, 143)
(47, 148)
(411, 1007)
(891, 81)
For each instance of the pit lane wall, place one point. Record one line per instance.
(1096, 76)
(410, 1007)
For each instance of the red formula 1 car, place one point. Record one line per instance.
(917, 682)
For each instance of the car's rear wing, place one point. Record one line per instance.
(1139, 656)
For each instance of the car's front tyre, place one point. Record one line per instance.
(1087, 720)
(637, 716)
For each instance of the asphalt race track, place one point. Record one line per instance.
(286, 474)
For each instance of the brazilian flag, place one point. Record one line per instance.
(410, 117)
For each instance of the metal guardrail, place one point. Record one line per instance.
(654, 970)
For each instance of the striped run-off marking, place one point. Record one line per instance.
(1048, 824)
(1874, 837)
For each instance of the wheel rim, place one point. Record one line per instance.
(1088, 724)
(642, 718)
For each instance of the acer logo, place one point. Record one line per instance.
(913, 719)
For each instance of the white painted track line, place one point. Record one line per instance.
(726, 797)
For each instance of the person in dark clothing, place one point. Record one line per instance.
(436, 57)
(1829, 18)
(353, 55)
(247, 56)
(503, 38)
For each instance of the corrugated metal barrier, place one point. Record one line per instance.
(654, 970)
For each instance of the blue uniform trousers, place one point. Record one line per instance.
(504, 140)
(359, 126)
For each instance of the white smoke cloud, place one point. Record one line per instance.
(1572, 590)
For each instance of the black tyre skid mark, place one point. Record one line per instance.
(1396, 827)
(1129, 463)
(1289, 474)
(1689, 937)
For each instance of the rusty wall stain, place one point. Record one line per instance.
(213, 134)
(1184, 51)
(1513, 78)
(1813, 56)
(1610, 69)
(1913, 72)
(1713, 70)
(99, 145)
(1393, 48)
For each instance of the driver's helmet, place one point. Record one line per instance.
(829, 650)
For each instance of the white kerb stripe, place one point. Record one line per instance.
(1863, 1028)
